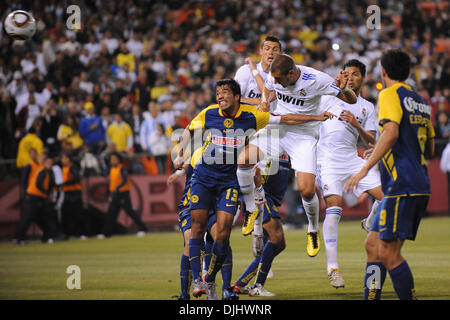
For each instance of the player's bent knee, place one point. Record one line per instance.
(307, 193)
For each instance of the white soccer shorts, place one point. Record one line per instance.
(301, 148)
(332, 181)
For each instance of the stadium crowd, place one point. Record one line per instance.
(136, 70)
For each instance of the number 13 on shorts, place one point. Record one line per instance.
(232, 195)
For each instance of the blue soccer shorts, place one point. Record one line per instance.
(399, 217)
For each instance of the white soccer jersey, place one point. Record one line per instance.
(303, 97)
(248, 84)
(338, 138)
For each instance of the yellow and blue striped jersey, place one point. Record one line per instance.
(224, 136)
(402, 168)
(186, 197)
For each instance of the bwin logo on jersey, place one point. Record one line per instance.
(289, 99)
(254, 94)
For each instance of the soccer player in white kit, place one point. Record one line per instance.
(298, 90)
(338, 160)
(251, 77)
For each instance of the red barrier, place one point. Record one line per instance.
(157, 202)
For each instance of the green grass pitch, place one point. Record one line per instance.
(128, 267)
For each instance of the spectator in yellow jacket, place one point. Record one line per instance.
(30, 141)
(68, 132)
(119, 132)
(126, 57)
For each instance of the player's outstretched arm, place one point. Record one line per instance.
(387, 139)
(267, 97)
(178, 173)
(367, 136)
(346, 95)
(429, 149)
(253, 101)
(293, 119)
(178, 150)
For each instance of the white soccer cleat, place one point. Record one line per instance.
(270, 274)
(336, 279)
(259, 291)
(100, 236)
(211, 291)
(140, 234)
(364, 225)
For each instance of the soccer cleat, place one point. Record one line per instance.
(240, 290)
(249, 221)
(198, 288)
(259, 291)
(313, 246)
(336, 279)
(364, 226)
(211, 291)
(229, 294)
(270, 274)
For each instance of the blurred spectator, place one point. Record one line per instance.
(92, 130)
(86, 85)
(29, 141)
(104, 157)
(445, 167)
(151, 119)
(125, 57)
(89, 164)
(135, 122)
(120, 133)
(443, 125)
(160, 145)
(68, 133)
(17, 87)
(51, 120)
(107, 119)
(141, 90)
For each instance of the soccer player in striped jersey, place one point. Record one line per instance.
(274, 186)
(406, 140)
(338, 160)
(185, 223)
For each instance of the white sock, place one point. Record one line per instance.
(330, 236)
(260, 195)
(371, 216)
(312, 212)
(258, 227)
(247, 186)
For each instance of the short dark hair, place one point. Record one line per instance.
(397, 64)
(233, 84)
(271, 39)
(116, 154)
(282, 63)
(358, 64)
(68, 155)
